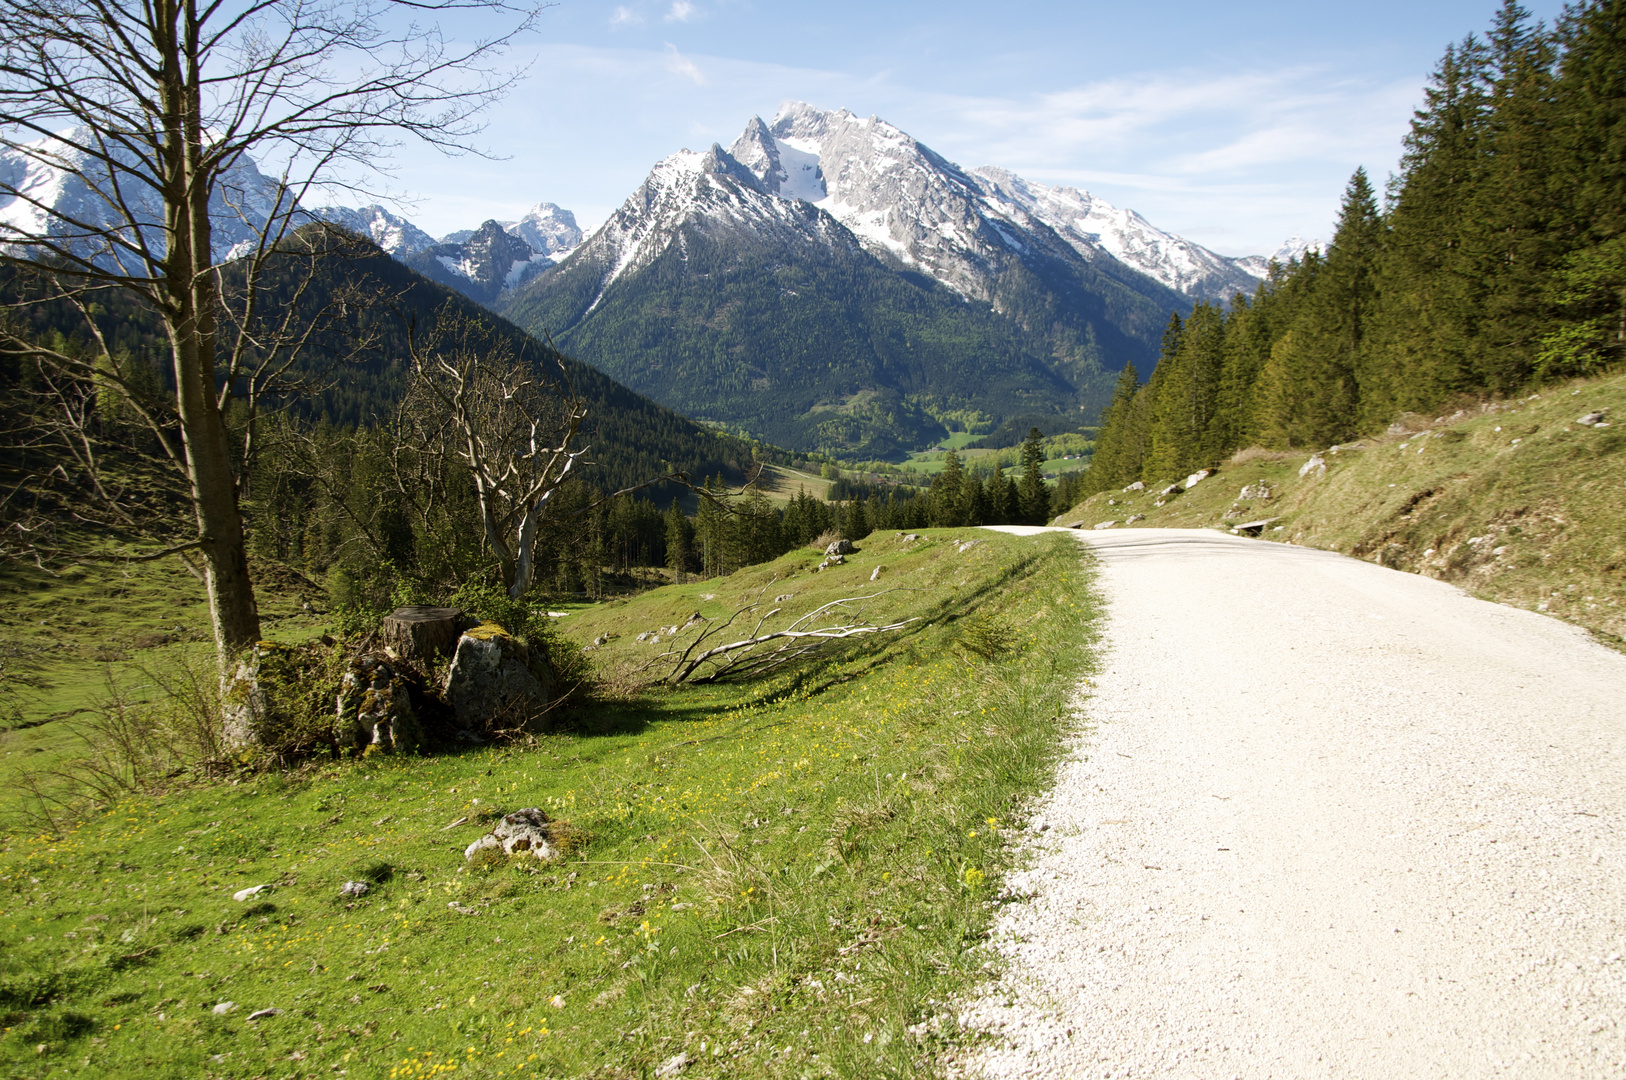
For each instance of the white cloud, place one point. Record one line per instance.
(625, 16)
(678, 64)
(681, 11)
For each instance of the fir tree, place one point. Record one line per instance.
(947, 508)
(1108, 463)
(1032, 496)
(1188, 395)
(1001, 497)
(856, 526)
(679, 541)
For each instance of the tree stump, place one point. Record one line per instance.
(421, 635)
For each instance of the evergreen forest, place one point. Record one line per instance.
(1495, 262)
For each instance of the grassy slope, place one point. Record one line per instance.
(1515, 502)
(71, 630)
(781, 483)
(780, 879)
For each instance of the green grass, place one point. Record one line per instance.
(63, 636)
(783, 878)
(1539, 523)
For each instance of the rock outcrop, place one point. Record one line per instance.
(521, 831)
(374, 709)
(497, 683)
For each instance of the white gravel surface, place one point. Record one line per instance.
(1329, 820)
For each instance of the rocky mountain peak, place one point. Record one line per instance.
(548, 228)
(490, 261)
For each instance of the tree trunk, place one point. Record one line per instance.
(191, 322)
(420, 635)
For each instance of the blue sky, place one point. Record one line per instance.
(1235, 125)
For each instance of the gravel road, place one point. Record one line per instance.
(1329, 819)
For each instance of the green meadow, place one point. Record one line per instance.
(781, 877)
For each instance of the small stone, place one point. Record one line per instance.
(1255, 491)
(224, 1007)
(1105, 524)
(1198, 477)
(1132, 518)
(354, 888)
(673, 1065)
(1138, 485)
(1591, 419)
(1172, 489)
(463, 909)
(875, 574)
(250, 893)
(1317, 465)
(782, 597)
(263, 1013)
(911, 537)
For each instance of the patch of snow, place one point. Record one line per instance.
(799, 173)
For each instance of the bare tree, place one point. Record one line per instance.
(507, 425)
(477, 410)
(156, 112)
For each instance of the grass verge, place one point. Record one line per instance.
(1514, 501)
(772, 879)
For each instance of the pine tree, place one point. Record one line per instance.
(679, 541)
(857, 524)
(1587, 292)
(1032, 496)
(1520, 206)
(1108, 463)
(1309, 389)
(1001, 498)
(1188, 395)
(1429, 289)
(974, 501)
(945, 492)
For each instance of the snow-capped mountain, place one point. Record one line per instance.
(720, 298)
(829, 282)
(395, 234)
(548, 228)
(490, 262)
(1093, 226)
(1292, 249)
(710, 191)
(902, 198)
(47, 185)
(50, 187)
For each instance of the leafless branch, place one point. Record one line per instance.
(742, 659)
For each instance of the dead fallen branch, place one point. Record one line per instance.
(747, 657)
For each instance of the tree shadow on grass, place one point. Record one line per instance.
(664, 706)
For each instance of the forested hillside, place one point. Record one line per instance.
(1496, 261)
(769, 315)
(834, 352)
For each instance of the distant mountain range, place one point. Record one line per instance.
(829, 281)
(826, 282)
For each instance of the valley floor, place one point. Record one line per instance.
(1331, 820)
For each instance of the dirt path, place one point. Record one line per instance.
(1332, 820)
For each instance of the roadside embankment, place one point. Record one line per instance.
(1522, 502)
